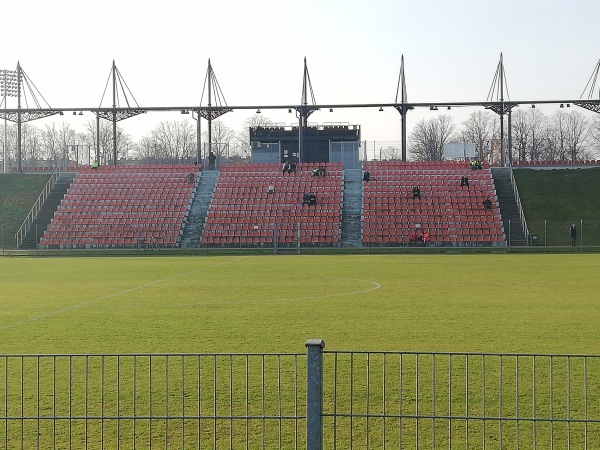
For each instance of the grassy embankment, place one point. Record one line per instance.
(18, 194)
(554, 199)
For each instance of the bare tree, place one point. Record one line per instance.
(31, 147)
(478, 129)
(521, 133)
(174, 140)
(577, 130)
(538, 133)
(558, 137)
(594, 136)
(51, 145)
(528, 133)
(240, 142)
(222, 137)
(428, 138)
(147, 148)
(11, 142)
(106, 140)
(67, 137)
(390, 153)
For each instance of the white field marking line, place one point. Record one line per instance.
(335, 294)
(339, 294)
(116, 294)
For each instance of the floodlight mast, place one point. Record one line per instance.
(8, 88)
(20, 115)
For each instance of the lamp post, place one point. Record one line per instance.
(8, 88)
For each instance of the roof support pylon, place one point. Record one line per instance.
(401, 106)
(589, 103)
(304, 110)
(116, 113)
(501, 107)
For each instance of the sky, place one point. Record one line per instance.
(257, 48)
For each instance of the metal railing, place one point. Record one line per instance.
(36, 208)
(313, 400)
(519, 205)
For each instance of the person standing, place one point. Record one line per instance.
(212, 159)
(573, 234)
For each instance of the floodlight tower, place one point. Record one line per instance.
(26, 90)
(211, 111)
(402, 107)
(501, 107)
(8, 88)
(304, 110)
(117, 113)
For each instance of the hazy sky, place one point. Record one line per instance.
(353, 49)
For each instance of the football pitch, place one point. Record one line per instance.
(236, 304)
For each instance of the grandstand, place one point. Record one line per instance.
(451, 214)
(244, 213)
(119, 207)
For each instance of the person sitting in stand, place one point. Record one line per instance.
(487, 204)
(464, 181)
(417, 237)
(292, 168)
(425, 238)
(271, 189)
(286, 167)
(367, 176)
(322, 172)
(306, 199)
(315, 172)
(95, 165)
(476, 164)
(190, 177)
(416, 192)
(312, 199)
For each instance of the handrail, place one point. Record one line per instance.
(20, 235)
(519, 205)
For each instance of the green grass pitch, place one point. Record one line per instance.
(461, 303)
(273, 304)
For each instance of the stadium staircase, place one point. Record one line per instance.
(352, 208)
(199, 208)
(46, 213)
(508, 207)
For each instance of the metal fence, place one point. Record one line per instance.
(313, 400)
(555, 233)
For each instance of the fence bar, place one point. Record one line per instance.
(314, 394)
(354, 399)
